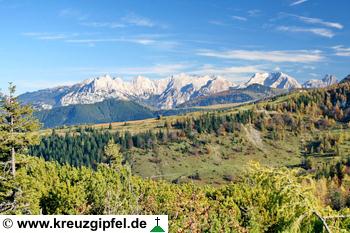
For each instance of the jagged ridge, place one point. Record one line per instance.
(164, 93)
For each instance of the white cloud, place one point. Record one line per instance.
(298, 2)
(148, 40)
(239, 18)
(71, 13)
(129, 20)
(321, 22)
(156, 69)
(233, 71)
(342, 51)
(301, 56)
(136, 20)
(254, 12)
(314, 75)
(41, 84)
(141, 40)
(104, 24)
(316, 21)
(317, 31)
(160, 69)
(89, 41)
(49, 36)
(309, 67)
(217, 22)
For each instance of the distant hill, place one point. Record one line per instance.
(110, 110)
(250, 93)
(107, 111)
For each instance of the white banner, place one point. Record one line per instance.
(83, 223)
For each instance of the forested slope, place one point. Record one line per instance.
(107, 111)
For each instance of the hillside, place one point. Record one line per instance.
(107, 111)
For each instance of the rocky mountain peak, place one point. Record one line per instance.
(275, 79)
(329, 79)
(317, 83)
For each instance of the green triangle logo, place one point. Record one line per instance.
(157, 229)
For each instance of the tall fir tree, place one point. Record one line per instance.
(16, 126)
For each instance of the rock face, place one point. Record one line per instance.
(275, 80)
(316, 83)
(105, 87)
(162, 93)
(182, 88)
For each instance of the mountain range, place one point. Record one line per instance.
(165, 93)
(161, 94)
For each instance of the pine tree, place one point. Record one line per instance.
(16, 125)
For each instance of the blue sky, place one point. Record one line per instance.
(49, 43)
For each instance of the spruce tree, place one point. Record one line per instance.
(16, 126)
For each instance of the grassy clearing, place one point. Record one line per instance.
(216, 160)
